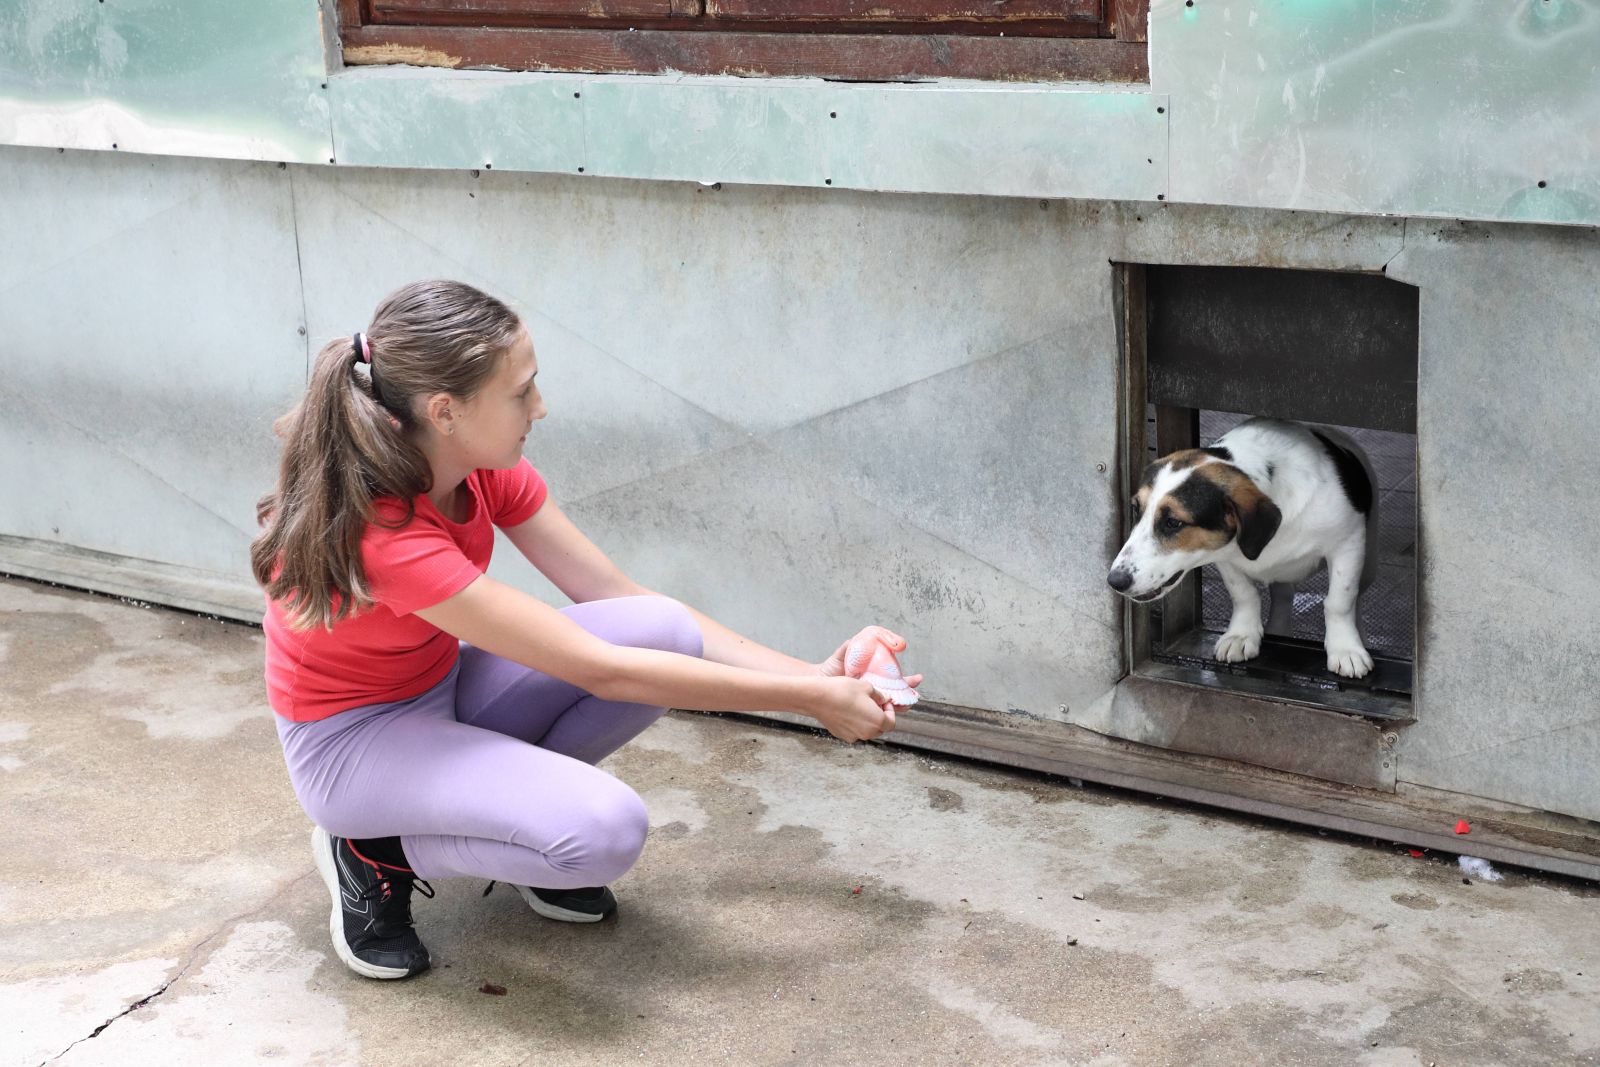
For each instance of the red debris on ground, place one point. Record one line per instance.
(1416, 853)
(492, 989)
(857, 889)
(1463, 827)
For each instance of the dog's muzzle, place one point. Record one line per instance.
(1122, 581)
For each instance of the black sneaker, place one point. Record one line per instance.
(570, 905)
(371, 917)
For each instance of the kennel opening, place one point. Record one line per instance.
(1216, 345)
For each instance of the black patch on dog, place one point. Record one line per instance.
(1352, 475)
(1220, 452)
(1205, 502)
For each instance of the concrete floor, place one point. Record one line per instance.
(158, 878)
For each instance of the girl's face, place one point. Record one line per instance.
(491, 428)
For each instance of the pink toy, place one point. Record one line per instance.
(870, 655)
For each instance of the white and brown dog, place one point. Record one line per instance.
(1269, 502)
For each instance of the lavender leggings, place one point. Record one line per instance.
(490, 773)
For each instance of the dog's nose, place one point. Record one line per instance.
(1119, 580)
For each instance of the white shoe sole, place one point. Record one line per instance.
(322, 849)
(550, 911)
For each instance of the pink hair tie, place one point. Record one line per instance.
(363, 350)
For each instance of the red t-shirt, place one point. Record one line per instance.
(386, 653)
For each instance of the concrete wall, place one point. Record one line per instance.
(904, 409)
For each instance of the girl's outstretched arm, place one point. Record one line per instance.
(509, 623)
(577, 567)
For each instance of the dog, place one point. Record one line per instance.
(1269, 503)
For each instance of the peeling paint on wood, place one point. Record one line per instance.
(410, 55)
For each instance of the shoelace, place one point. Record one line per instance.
(383, 895)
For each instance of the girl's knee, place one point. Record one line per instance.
(613, 836)
(665, 624)
(679, 632)
(647, 621)
(337, 821)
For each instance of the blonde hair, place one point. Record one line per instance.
(350, 441)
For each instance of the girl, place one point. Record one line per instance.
(436, 722)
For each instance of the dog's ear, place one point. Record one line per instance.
(1255, 515)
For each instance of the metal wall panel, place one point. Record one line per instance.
(1003, 141)
(180, 77)
(1461, 108)
(708, 130)
(1482, 109)
(152, 309)
(469, 119)
(1509, 681)
(902, 409)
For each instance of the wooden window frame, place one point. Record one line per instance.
(844, 40)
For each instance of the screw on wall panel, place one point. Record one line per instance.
(1391, 738)
(488, 166)
(580, 170)
(1101, 467)
(1541, 184)
(332, 160)
(1062, 708)
(833, 114)
(577, 96)
(827, 181)
(1161, 196)
(324, 85)
(113, 144)
(301, 331)
(1161, 111)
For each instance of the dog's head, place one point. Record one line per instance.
(1192, 508)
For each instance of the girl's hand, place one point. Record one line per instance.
(852, 710)
(833, 666)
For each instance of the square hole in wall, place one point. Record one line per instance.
(1208, 347)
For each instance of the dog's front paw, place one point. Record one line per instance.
(1350, 661)
(1235, 647)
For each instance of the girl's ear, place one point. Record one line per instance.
(440, 412)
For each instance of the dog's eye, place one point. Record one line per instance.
(1169, 525)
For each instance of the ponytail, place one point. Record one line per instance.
(350, 441)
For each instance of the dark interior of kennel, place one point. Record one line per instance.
(1221, 344)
